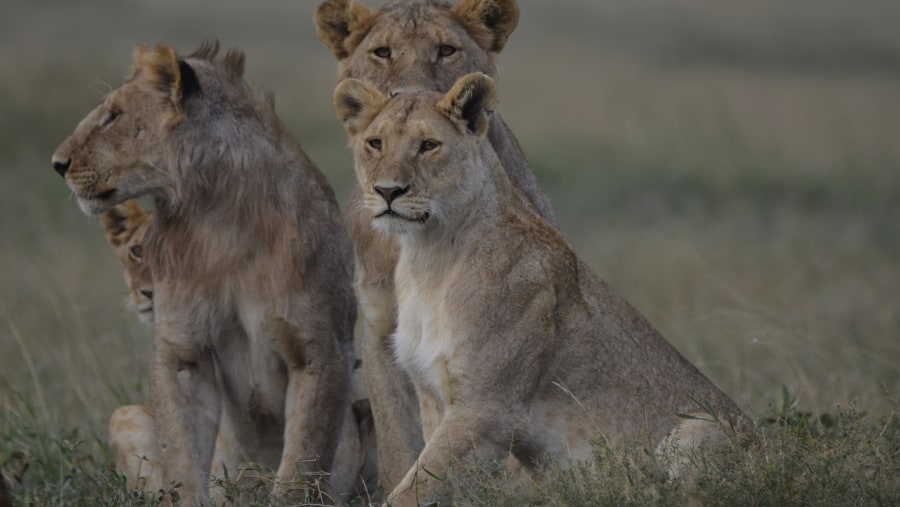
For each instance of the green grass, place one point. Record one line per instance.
(732, 170)
(791, 459)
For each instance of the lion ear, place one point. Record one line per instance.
(341, 24)
(357, 104)
(470, 102)
(115, 221)
(159, 70)
(490, 22)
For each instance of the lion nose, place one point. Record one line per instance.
(61, 166)
(391, 193)
(146, 293)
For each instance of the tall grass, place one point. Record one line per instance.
(731, 169)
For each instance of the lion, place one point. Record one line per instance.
(126, 227)
(412, 44)
(251, 267)
(514, 346)
(131, 435)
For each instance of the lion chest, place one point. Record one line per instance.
(424, 341)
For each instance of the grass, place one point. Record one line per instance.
(791, 459)
(730, 169)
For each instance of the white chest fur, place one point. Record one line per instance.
(424, 341)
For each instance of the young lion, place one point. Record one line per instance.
(126, 228)
(131, 434)
(412, 44)
(513, 344)
(252, 274)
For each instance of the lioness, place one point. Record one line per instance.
(131, 435)
(251, 267)
(412, 44)
(514, 346)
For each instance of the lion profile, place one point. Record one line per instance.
(251, 268)
(408, 45)
(515, 347)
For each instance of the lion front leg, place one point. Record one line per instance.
(468, 440)
(395, 411)
(186, 407)
(316, 401)
(395, 406)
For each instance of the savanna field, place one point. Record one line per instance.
(731, 168)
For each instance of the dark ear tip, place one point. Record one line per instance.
(350, 107)
(113, 221)
(471, 101)
(110, 217)
(190, 85)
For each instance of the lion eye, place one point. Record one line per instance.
(428, 145)
(137, 251)
(375, 143)
(382, 52)
(111, 117)
(446, 50)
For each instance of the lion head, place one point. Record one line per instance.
(117, 151)
(418, 154)
(416, 44)
(126, 147)
(126, 228)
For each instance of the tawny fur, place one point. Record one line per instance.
(251, 266)
(126, 227)
(513, 344)
(415, 32)
(132, 440)
(131, 435)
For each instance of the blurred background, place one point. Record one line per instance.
(731, 168)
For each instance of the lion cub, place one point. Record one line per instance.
(251, 266)
(126, 228)
(513, 344)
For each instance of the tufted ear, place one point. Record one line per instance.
(117, 219)
(470, 102)
(357, 104)
(490, 22)
(341, 24)
(159, 70)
